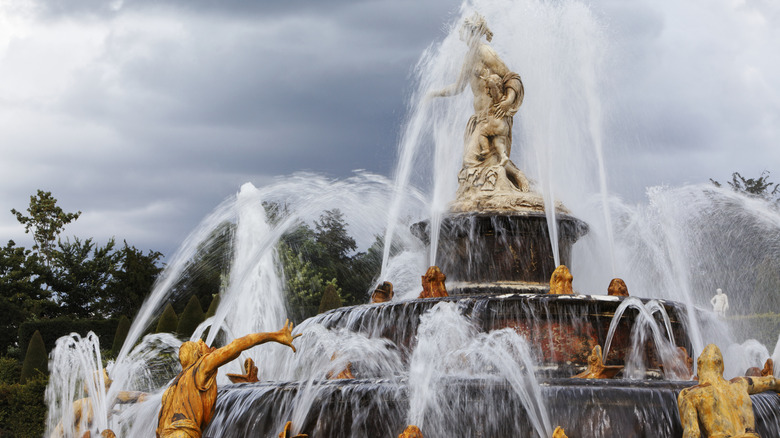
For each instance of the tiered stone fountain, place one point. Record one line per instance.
(495, 249)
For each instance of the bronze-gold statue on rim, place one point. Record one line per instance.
(719, 408)
(188, 404)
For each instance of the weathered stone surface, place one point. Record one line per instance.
(479, 249)
(285, 433)
(560, 281)
(411, 432)
(433, 283)
(249, 376)
(617, 287)
(597, 369)
(716, 407)
(383, 293)
(189, 403)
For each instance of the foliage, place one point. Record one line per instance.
(303, 286)
(10, 370)
(204, 274)
(22, 409)
(36, 360)
(190, 318)
(131, 281)
(122, 329)
(168, 320)
(22, 295)
(212, 307)
(759, 187)
(330, 297)
(53, 329)
(80, 274)
(46, 221)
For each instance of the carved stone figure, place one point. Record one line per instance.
(682, 368)
(560, 281)
(768, 371)
(717, 407)
(720, 302)
(411, 431)
(488, 180)
(433, 283)
(559, 433)
(596, 368)
(345, 373)
(84, 414)
(250, 373)
(286, 432)
(383, 293)
(188, 404)
(617, 287)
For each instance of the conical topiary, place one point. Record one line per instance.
(330, 297)
(122, 328)
(190, 317)
(213, 306)
(36, 360)
(168, 321)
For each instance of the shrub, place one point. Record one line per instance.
(22, 409)
(168, 321)
(10, 370)
(213, 307)
(36, 360)
(122, 328)
(330, 298)
(190, 317)
(53, 329)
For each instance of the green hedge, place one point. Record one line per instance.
(765, 328)
(22, 409)
(10, 370)
(53, 329)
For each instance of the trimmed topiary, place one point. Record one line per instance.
(213, 306)
(190, 317)
(330, 297)
(168, 321)
(36, 360)
(122, 328)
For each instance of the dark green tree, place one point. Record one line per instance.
(168, 320)
(303, 283)
(190, 317)
(22, 295)
(81, 271)
(122, 329)
(45, 221)
(330, 297)
(204, 274)
(131, 282)
(36, 360)
(759, 187)
(212, 307)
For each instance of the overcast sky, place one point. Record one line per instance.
(146, 114)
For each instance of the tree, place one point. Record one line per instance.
(131, 282)
(122, 329)
(190, 318)
(81, 271)
(168, 320)
(204, 274)
(303, 283)
(22, 295)
(36, 360)
(330, 297)
(46, 221)
(759, 187)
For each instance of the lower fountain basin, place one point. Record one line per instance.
(476, 407)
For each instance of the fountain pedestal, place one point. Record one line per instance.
(476, 249)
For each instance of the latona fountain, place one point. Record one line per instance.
(500, 344)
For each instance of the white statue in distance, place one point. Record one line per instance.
(720, 303)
